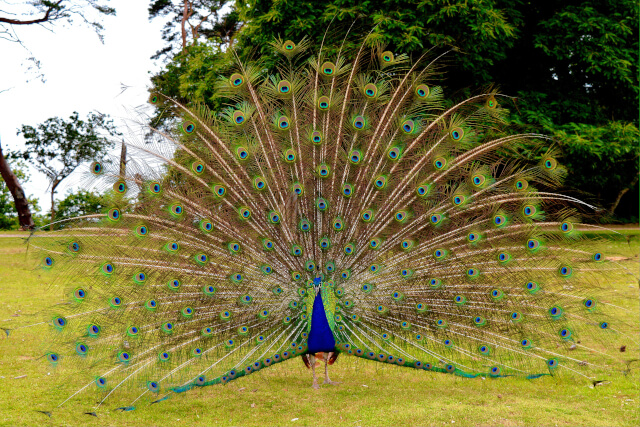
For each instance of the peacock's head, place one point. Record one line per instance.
(317, 282)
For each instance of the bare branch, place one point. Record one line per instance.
(45, 18)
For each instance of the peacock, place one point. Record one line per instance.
(341, 206)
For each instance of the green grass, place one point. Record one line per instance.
(370, 393)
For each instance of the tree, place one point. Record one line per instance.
(575, 71)
(57, 147)
(190, 19)
(574, 52)
(607, 159)
(11, 217)
(10, 184)
(187, 23)
(83, 202)
(572, 66)
(43, 13)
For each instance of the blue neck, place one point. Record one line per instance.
(320, 336)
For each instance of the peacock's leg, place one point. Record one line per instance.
(326, 370)
(312, 362)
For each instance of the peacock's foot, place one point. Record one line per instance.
(331, 382)
(315, 386)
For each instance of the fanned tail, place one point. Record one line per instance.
(445, 252)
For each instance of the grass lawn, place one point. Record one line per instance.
(370, 393)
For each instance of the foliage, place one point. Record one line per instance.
(592, 49)
(83, 202)
(190, 77)
(601, 158)
(572, 67)
(57, 147)
(8, 212)
(188, 20)
(577, 61)
(191, 67)
(481, 29)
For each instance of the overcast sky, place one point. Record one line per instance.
(81, 75)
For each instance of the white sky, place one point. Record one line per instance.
(81, 75)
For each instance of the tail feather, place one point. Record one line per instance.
(446, 250)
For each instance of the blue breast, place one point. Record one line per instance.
(320, 337)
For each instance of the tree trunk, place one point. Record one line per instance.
(54, 185)
(186, 13)
(123, 161)
(19, 199)
(622, 193)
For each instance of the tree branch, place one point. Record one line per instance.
(622, 193)
(195, 29)
(45, 18)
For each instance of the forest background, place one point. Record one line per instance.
(570, 68)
